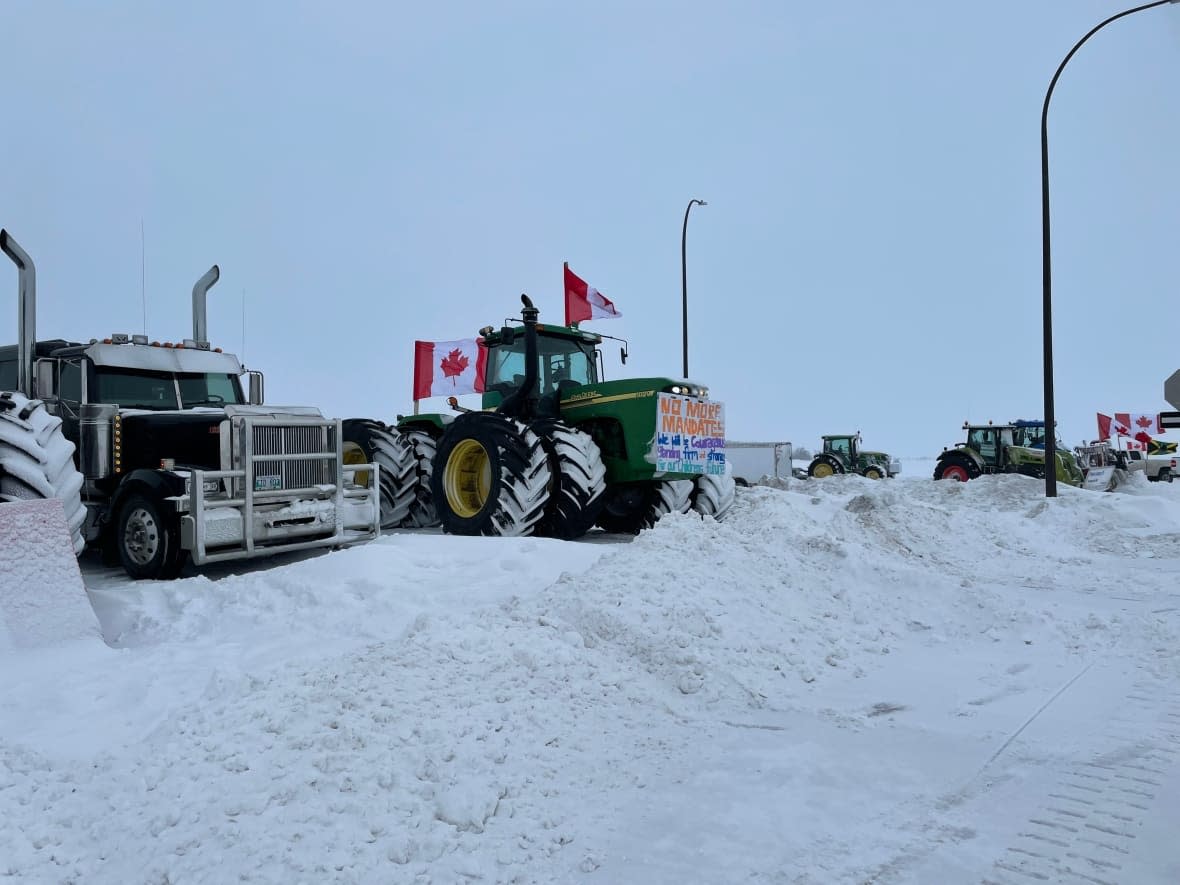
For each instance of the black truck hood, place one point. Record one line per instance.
(191, 439)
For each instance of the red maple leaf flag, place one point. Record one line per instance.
(449, 368)
(1137, 425)
(584, 302)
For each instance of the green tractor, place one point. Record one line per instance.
(556, 450)
(1018, 447)
(842, 454)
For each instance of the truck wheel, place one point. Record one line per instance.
(872, 472)
(713, 495)
(631, 508)
(425, 447)
(37, 461)
(578, 481)
(371, 442)
(953, 470)
(148, 539)
(491, 477)
(1165, 475)
(823, 466)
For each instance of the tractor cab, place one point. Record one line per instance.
(991, 442)
(842, 447)
(566, 359)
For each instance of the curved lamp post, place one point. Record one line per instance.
(684, 268)
(1050, 418)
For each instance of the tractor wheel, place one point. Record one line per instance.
(873, 472)
(631, 508)
(371, 442)
(714, 495)
(37, 461)
(491, 477)
(823, 466)
(422, 513)
(148, 539)
(578, 481)
(954, 470)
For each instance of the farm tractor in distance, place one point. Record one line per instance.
(556, 450)
(1018, 447)
(842, 454)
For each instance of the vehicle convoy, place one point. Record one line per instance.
(754, 462)
(842, 454)
(557, 450)
(158, 454)
(1017, 447)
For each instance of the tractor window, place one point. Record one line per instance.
(209, 390)
(839, 446)
(559, 359)
(70, 382)
(133, 389)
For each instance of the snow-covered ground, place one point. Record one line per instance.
(846, 681)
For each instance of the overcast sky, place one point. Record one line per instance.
(368, 174)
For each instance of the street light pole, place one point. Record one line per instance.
(1046, 268)
(684, 275)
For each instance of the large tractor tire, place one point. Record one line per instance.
(578, 481)
(714, 495)
(371, 442)
(148, 539)
(37, 461)
(631, 508)
(873, 472)
(491, 477)
(823, 466)
(422, 511)
(955, 469)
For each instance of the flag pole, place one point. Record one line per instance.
(565, 269)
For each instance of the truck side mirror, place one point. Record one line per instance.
(45, 380)
(257, 388)
(623, 355)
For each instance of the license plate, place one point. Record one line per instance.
(267, 483)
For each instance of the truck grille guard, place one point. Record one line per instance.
(282, 460)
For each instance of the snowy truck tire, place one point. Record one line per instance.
(37, 461)
(148, 539)
(491, 477)
(630, 509)
(714, 495)
(422, 510)
(371, 442)
(578, 481)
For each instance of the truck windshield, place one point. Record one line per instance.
(559, 359)
(137, 389)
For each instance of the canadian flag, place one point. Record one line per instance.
(1104, 428)
(1137, 425)
(584, 302)
(449, 368)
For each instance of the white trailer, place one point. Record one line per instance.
(753, 462)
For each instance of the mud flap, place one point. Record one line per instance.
(43, 601)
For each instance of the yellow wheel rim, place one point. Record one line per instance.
(354, 454)
(873, 473)
(467, 478)
(822, 469)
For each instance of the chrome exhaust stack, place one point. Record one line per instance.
(26, 314)
(200, 290)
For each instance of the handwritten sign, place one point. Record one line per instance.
(690, 435)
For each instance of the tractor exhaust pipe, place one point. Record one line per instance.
(200, 290)
(26, 314)
(522, 402)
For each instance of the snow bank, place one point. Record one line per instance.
(439, 709)
(42, 599)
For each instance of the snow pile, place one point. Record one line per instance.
(42, 599)
(708, 702)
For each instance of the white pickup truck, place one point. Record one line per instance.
(1157, 469)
